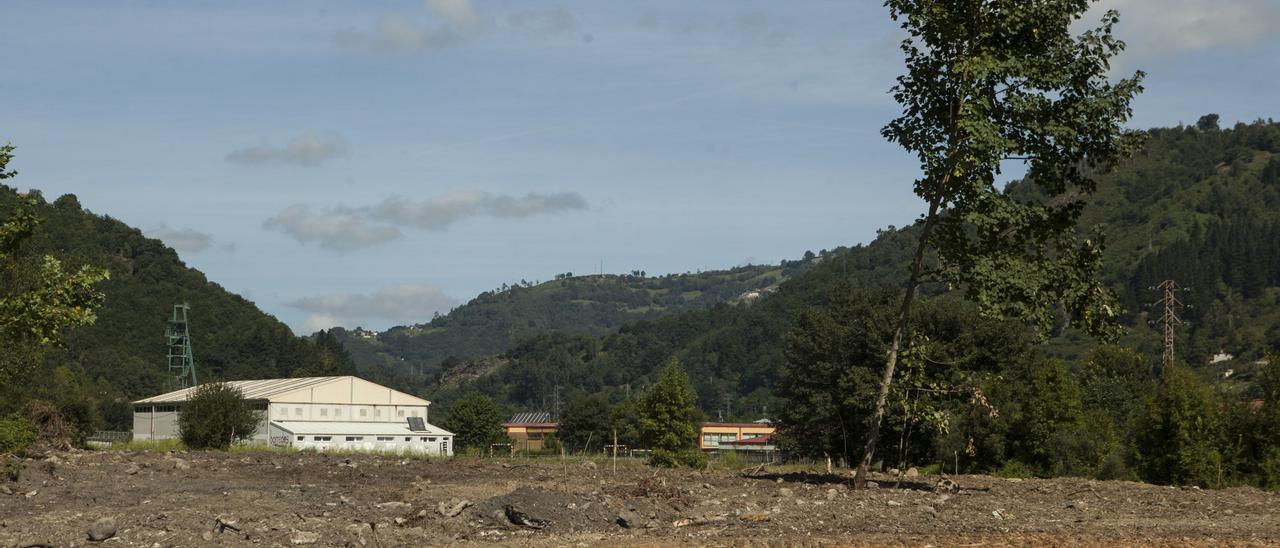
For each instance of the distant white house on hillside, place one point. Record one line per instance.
(315, 413)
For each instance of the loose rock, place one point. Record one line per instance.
(912, 472)
(452, 508)
(102, 529)
(304, 537)
(947, 485)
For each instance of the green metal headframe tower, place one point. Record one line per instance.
(182, 361)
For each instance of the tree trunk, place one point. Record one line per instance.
(891, 360)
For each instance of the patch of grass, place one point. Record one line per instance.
(172, 444)
(1014, 469)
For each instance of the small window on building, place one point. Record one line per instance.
(414, 414)
(364, 412)
(431, 439)
(337, 412)
(321, 438)
(386, 438)
(284, 411)
(142, 409)
(423, 439)
(377, 412)
(300, 438)
(407, 438)
(297, 411)
(355, 438)
(400, 412)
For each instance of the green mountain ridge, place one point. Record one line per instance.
(495, 321)
(1197, 204)
(121, 357)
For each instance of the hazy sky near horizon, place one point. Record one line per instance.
(371, 163)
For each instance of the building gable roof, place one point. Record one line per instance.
(346, 389)
(532, 417)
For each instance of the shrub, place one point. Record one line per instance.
(1014, 468)
(691, 458)
(16, 434)
(1179, 433)
(215, 416)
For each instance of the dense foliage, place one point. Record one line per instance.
(215, 416)
(120, 357)
(476, 422)
(496, 321)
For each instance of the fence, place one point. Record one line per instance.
(108, 437)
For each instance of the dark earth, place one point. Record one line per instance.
(300, 499)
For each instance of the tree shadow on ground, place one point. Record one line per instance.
(915, 484)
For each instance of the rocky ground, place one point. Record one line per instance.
(286, 499)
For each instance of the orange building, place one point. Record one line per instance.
(528, 430)
(712, 434)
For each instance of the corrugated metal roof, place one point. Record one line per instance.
(335, 428)
(530, 417)
(259, 389)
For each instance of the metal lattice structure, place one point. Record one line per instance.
(1169, 319)
(182, 361)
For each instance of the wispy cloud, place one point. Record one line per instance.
(182, 239)
(308, 149)
(339, 230)
(550, 22)
(402, 304)
(448, 23)
(346, 228)
(1170, 27)
(454, 21)
(440, 212)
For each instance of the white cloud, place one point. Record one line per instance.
(308, 149)
(344, 228)
(458, 12)
(340, 230)
(400, 304)
(396, 32)
(182, 239)
(440, 212)
(551, 22)
(1163, 27)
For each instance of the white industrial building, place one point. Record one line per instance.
(319, 413)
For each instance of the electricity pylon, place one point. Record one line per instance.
(1169, 319)
(182, 361)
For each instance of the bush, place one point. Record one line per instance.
(1180, 432)
(691, 458)
(16, 434)
(215, 416)
(1014, 468)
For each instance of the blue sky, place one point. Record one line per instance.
(371, 163)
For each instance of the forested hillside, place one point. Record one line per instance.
(495, 321)
(121, 356)
(1198, 204)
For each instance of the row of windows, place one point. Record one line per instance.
(337, 412)
(715, 439)
(157, 408)
(361, 438)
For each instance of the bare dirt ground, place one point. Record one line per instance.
(287, 499)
